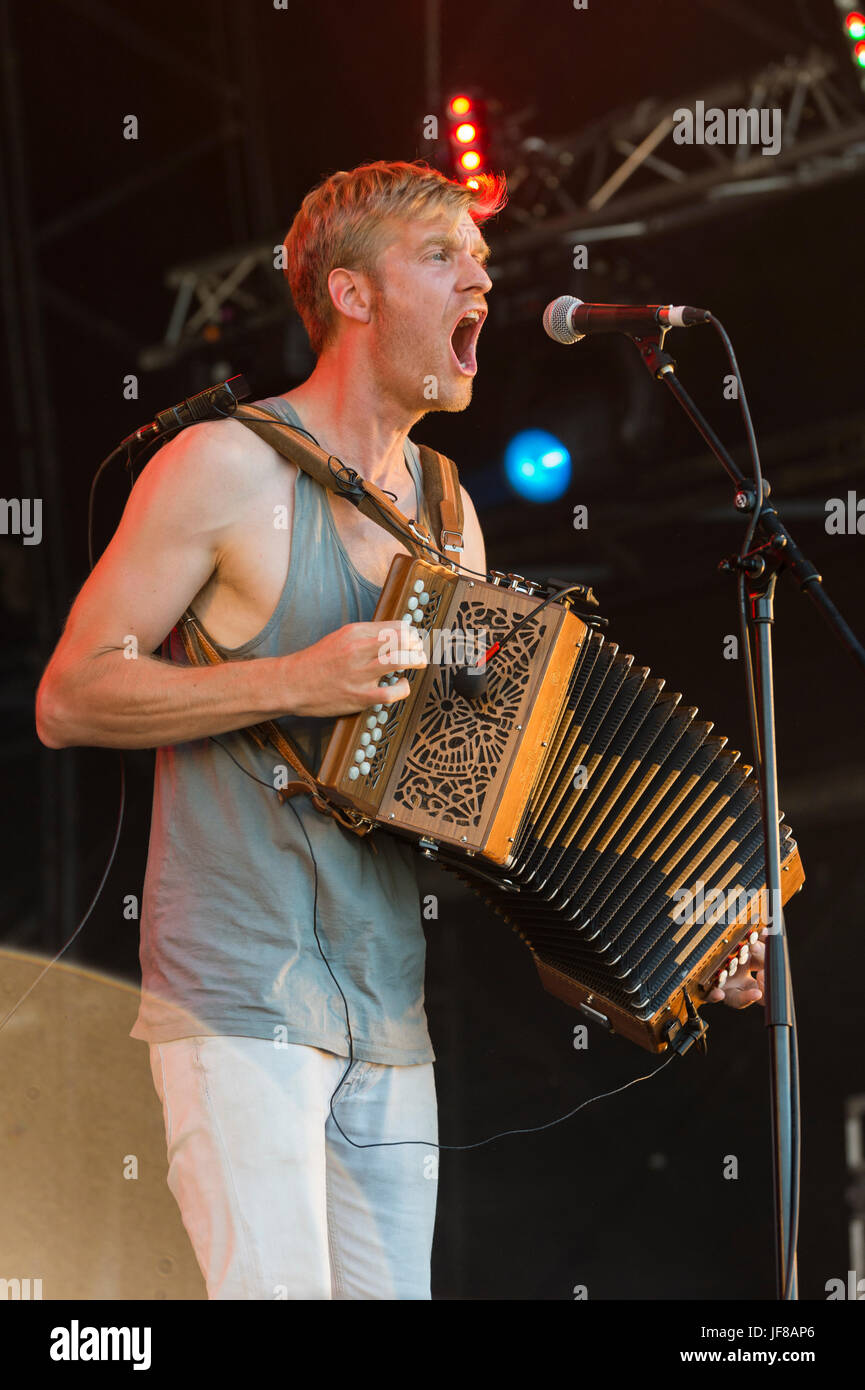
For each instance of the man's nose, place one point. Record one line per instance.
(477, 276)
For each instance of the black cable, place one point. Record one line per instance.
(148, 447)
(534, 1129)
(93, 900)
(121, 808)
(351, 476)
(355, 487)
(759, 499)
(396, 1143)
(759, 496)
(91, 498)
(496, 647)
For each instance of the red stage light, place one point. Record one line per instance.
(855, 24)
(468, 135)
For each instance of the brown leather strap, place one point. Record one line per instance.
(443, 503)
(334, 475)
(441, 485)
(443, 497)
(199, 649)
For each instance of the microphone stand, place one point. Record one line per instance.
(757, 571)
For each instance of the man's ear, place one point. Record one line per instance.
(351, 294)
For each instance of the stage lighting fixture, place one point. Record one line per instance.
(468, 136)
(537, 465)
(853, 27)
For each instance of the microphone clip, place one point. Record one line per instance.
(650, 346)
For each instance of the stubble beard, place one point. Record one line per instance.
(423, 379)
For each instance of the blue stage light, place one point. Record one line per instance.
(537, 465)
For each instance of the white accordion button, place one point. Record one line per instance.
(376, 734)
(353, 773)
(418, 616)
(412, 603)
(359, 754)
(365, 738)
(406, 617)
(371, 721)
(722, 974)
(744, 954)
(364, 767)
(733, 967)
(423, 597)
(377, 708)
(418, 586)
(382, 718)
(755, 936)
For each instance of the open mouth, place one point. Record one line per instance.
(464, 339)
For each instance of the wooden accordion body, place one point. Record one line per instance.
(593, 809)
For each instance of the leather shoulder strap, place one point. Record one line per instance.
(444, 500)
(441, 483)
(332, 474)
(444, 506)
(200, 651)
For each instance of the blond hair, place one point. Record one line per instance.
(342, 222)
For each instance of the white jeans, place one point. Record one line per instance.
(277, 1204)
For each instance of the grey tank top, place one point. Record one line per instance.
(227, 938)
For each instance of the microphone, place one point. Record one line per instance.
(567, 320)
(213, 403)
(470, 681)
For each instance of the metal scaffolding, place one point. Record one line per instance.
(626, 176)
(620, 178)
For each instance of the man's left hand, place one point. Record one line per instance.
(743, 989)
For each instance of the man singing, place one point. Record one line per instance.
(268, 931)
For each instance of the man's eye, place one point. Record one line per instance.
(443, 254)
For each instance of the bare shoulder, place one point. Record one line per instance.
(214, 468)
(217, 448)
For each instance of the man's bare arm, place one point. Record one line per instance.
(164, 550)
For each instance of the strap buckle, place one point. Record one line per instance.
(346, 816)
(458, 535)
(423, 537)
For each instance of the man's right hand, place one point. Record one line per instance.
(340, 674)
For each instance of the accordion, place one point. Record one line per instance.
(593, 809)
